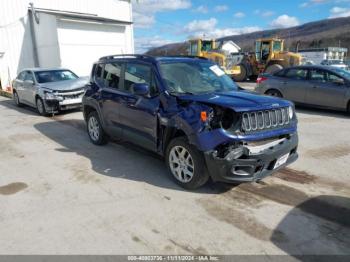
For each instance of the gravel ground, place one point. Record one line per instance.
(59, 194)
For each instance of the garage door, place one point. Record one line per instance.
(83, 43)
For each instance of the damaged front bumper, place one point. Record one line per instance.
(54, 105)
(246, 163)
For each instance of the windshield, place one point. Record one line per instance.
(54, 76)
(342, 72)
(206, 46)
(277, 46)
(194, 77)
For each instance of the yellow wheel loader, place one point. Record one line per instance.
(209, 49)
(269, 57)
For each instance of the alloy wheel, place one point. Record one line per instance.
(181, 164)
(16, 98)
(40, 106)
(94, 128)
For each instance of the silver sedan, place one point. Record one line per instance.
(319, 86)
(48, 90)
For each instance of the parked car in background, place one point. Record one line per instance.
(321, 86)
(189, 111)
(336, 63)
(49, 90)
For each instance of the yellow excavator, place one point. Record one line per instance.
(269, 57)
(209, 49)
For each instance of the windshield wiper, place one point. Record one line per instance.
(181, 93)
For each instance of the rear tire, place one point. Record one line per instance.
(186, 164)
(348, 109)
(95, 131)
(242, 76)
(40, 107)
(274, 92)
(16, 99)
(273, 68)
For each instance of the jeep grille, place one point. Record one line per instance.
(267, 119)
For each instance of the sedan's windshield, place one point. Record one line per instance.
(342, 72)
(195, 77)
(54, 76)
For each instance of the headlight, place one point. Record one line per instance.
(52, 96)
(291, 112)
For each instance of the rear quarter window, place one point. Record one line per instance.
(296, 74)
(21, 76)
(280, 73)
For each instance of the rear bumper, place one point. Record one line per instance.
(251, 167)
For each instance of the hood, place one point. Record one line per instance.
(239, 101)
(66, 85)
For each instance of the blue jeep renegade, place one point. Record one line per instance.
(187, 110)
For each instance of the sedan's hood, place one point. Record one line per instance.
(66, 85)
(239, 100)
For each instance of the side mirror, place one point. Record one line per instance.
(140, 89)
(29, 82)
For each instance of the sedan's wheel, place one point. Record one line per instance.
(186, 164)
(95, 131)
(16, 99)
(274, 92)
(40, 106)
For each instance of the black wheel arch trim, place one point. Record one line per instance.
(94, 104)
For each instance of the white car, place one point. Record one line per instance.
(336, 63)
(49, 90)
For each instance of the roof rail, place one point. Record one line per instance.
(189, 56)
(124, 55)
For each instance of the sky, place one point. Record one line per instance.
(159, 22)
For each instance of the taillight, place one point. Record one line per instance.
(261, 79)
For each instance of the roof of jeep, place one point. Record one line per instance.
(151, 58)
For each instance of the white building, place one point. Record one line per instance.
(230, 47)
(317, 55)
(62, 33)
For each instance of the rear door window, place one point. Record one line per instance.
(111, 75)
(317, 75)
(28, 76)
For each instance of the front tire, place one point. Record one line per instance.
(186, 164)
(40, 107)
(95, 130)
(16, 99)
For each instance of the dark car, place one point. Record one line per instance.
(49, 90)
(190, 112)
(320, 86)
